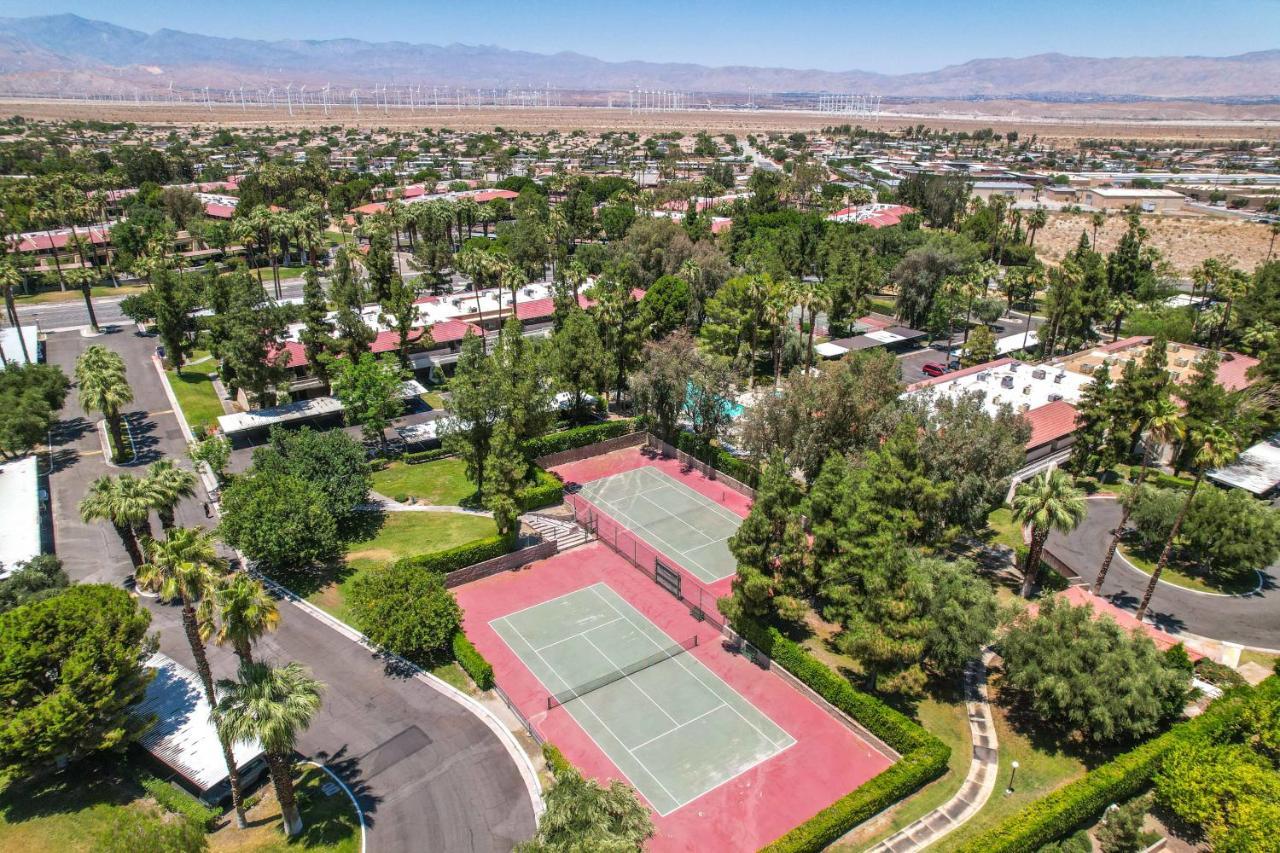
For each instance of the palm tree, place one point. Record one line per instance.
(1275, 232)
(1164, 426)
(169, 484)
(1047, 503)
(185, 565)
(100, 375)
(125, 501)
(246, 233)
(85, 279)
(272, 705)
(513, 278)
(812, 297)
(776, 310)
(1215, 448)
(9, 279)
(1037, 220)
(49, 216)
(239, 612)
(1098, 219)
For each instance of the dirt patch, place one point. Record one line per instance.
(1185, 240)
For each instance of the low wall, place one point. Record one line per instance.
(698, 465)
(576, 454)
(505, 563)
(1049, 559)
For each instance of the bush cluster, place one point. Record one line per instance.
(718, 458)
(923, 756)
(569, 439)
(547, 489)
(180, 802)
(424, 456)
(470, 659)
(555, 759)
(1058, 813)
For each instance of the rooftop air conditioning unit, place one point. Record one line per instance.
(984, 376)
(1026, 389)
(1057, 380)
(1006, 382)
(1038, 373)
(1181, 362)
(1024, 408)
(1053, 398)
(1086, 368)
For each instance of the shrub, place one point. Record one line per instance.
(139, 831)
(923, 756)
(424, 456)
(555, 758)
(452, 559)
(547, 489)
(179, 802)
(1217, 674)
(405, 610)
(718, 458)
(569, 439)
(470, 659)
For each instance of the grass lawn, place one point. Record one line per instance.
(1260, 658)
(194, 390)
(434, 399)
(1007, 531)
(74, 293)
(1185, 576)
(440, 483)
(1040, 770)
(403, 534)
(329, 821)
(68, 811)
(453, 674)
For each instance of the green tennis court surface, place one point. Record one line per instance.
(674, 519)
(675, 729)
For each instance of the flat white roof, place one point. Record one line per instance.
(302, 410)
(1133, 192)
(20, 508)
(12, 347)
(183, 736)
(1256, 470)
(1021, 386)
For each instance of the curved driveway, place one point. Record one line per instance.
(428, 772)
(1251, 620)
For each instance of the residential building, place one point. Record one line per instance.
(1118, 198)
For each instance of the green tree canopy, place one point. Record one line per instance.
(406, 610)
(584, 815)
(278, 520)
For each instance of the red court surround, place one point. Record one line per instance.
(826, 762)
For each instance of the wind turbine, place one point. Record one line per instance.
(302, 98)
(326, 98)
(288, 96)
(355, 96)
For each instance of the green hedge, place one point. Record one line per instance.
(568, 439)
(180, 802)
(424, 456)
(1058, 813)
(718, 458)
(924, 757)
(470, 659)
(547, 489)
(555, 759)
(464, 555)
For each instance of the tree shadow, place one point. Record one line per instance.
(70, 429)
(69, 790)
(62, 459)
(145, 442)
(363, 525)
(349, 770)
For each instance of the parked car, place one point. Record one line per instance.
(932, 368)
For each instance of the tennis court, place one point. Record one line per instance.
(674, 519)
(674, 728)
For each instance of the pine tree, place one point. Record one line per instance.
(1091, 450)
(504, 474)
(317, 334)
(772, 550)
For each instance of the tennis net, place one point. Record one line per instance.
(630, 669)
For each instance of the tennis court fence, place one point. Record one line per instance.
(558, 699)
(659, 568)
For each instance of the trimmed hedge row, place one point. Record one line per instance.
(470, 659)
(452, 559)
(547, 490)
(180, 802)
(924, 757)
(718, 458)
(424, 456)
(1058, 813)
(569, 439)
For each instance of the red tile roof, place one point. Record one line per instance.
(448, 331)
(44, 242)
(1050, 421)
(536, 309)
(490, 195)
(1232, 370)
(370, 208)
(219, 211)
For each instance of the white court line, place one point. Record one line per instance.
(695, 676)
(632, 681)
(583, 703)
(677, 727)
(579, 634)
(671, 514)
(668, 480)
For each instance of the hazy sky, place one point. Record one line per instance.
(887, 35)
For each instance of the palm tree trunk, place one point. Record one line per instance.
(244, 652)
(808, 355)
(1032, 569)
(130, 542)
(1168, 548)
(87, 290)
(192, 631)
(116, 424)
(1124, 521)
(282, 779)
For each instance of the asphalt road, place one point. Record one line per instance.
(914, 360)
(1251, 620)
(429, 774)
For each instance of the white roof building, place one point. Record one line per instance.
(1257, 470)
(184, 738)
(20, 508)
(1022, 386)
(13, 348)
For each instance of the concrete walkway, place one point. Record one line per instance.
(978, 783)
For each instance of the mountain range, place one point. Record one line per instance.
(74, 54)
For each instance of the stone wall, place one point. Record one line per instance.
(576, 454)
(505, 563)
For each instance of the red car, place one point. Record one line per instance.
(932, 368)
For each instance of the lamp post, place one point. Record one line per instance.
(1013, 774)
